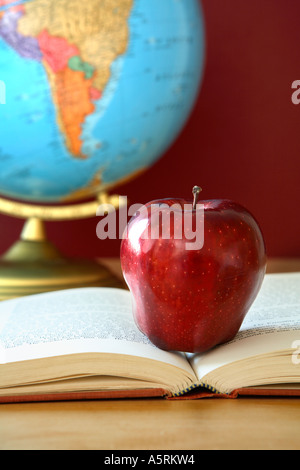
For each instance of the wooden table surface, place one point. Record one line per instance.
(155, 424)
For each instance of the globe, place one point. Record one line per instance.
(91, 94)
(95, 91)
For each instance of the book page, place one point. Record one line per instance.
(272, 324)
(87, 320)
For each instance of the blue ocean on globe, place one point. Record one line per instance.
(88, 107)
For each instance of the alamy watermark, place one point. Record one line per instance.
(296, 94)
(156, 221)
(296, 353)
(2, 92)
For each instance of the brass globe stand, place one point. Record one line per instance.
(34, 265)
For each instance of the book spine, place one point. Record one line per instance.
(198, 385)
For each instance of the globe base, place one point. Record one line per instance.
(18, 280)
(33, 265)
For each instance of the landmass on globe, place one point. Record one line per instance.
(96, 91)
(66, 42)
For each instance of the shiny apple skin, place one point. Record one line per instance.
(194, 300)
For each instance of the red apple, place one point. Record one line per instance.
(193, 299)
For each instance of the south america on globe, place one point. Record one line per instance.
(96, 91)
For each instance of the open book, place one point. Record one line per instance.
(84, 344)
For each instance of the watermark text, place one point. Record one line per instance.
(296, 94)
(296, 353)
(157, 221)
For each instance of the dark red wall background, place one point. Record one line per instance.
(243, 138)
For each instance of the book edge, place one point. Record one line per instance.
(195, 393)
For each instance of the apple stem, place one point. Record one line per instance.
(196, 191)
